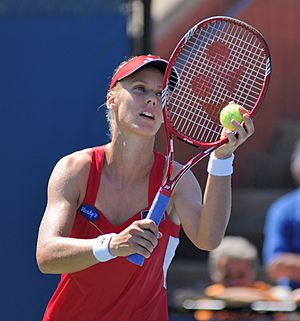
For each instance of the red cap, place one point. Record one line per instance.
(136, 63)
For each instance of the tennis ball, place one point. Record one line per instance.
(228, 113)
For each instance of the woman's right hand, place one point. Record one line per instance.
(140, 237)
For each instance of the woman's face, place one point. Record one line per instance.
(138, 102)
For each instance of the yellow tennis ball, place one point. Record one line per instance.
(228, 113)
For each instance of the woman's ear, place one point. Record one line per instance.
(112, 100)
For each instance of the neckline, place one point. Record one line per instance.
(94, 180)
(124, 224)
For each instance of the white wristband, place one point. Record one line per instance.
(101, 247)
(220, 167)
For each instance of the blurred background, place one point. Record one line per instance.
(56, 60)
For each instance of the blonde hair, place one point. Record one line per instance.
(109, 113)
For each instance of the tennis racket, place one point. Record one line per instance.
(219, 60)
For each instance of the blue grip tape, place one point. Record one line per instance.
(155, 214)
(158, 208)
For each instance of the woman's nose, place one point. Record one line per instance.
(152, 98)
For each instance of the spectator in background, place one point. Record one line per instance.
(233, 268)
(234, 262)
(281, 250)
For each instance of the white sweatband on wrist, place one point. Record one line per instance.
(101, 247)
(220, 167)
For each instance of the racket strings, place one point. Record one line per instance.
(220, 78)
(246, 87)
(187, 106)
(218, 64)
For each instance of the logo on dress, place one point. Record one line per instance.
(89, 212)
(145, 213)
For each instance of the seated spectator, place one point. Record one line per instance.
(281, 250)
(233, 269)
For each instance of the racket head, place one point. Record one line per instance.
(219, 60)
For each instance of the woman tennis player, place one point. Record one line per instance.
(98, 197)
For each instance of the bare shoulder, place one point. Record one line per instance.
(188, 179)
(70, 174)
(73, 164)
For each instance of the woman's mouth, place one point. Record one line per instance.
(147, 115)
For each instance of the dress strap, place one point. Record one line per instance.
(156, 176)
(97, 160)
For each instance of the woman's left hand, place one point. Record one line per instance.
(235, 138)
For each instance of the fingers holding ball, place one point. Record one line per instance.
(230, 113)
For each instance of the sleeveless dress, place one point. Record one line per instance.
(116, 289)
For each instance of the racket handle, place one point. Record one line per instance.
(158, 207)
(155, 214)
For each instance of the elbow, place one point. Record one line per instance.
(42, 261)
(42, 265)
(208, 244)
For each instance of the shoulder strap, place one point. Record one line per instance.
(97, 160)
(156, 176)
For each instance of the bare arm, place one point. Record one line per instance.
(205, 221)
(56, 251)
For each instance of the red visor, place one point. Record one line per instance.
(135, 64)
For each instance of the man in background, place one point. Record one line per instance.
(281, 250)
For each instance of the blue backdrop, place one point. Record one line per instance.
(54, 74)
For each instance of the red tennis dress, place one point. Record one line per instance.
(116, 290)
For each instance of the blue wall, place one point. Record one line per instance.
(54, 73)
